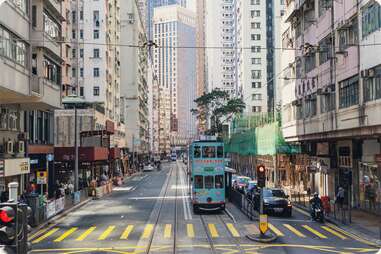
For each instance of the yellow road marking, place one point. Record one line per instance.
(66, 234)
(167, 231)
(85, 234)
(106, 233)
(294, 230)
(333, 232)
(252, 229)
(190, 230)
(127, 232)
(39, 232)
(44, 236)
(147, 231)
(213, 230)
(314, 231)
(275, 230)
(232, 230)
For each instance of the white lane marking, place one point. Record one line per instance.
(183, 199)
(186, 197)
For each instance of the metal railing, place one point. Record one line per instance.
(243, 203)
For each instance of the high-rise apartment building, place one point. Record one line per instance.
(134, 88)
(257, 24)
(175, 67)
(220, 40)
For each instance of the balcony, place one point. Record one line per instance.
(45, 93)
(292, 9)
(47, 43)
(56, 7)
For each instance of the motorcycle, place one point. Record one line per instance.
(318, 213)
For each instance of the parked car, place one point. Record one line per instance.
(148, 168)
(274, 201)
(242, 183)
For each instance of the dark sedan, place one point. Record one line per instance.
(275, 201)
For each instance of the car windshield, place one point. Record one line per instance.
(273, 193)
(243, 180)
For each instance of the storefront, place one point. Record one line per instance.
(321, 176)
(13, 170)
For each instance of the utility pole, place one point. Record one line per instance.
(76, 150)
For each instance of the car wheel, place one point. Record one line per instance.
(196, 210)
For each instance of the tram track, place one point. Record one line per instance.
(155, 227)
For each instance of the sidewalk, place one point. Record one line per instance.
(364, 225)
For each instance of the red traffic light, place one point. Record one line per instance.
(7, 214)
(261, 169)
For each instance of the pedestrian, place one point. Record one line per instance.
(340, 197)
(370, 193)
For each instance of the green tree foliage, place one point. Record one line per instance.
(219, 106)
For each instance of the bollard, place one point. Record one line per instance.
(13, 188)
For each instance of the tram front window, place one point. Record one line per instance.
(219, 181)
(198, 182)
(220, 152)
(209, 152)
(197, 152)
(209, 182)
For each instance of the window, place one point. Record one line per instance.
(208, 152)
(96, 53)
(372, 86)
(198, 182)
(73, 34)
(370, 19)
(81, 53)
(256, 84)
(96, 90)
(255, 2)
(256, 109)
(255, 49)
(96, 72)
(81, 72)
(255, 13)
(256, 60)
(96, 34)
(52, 71)
(220, 152)
(81, 15)
(12, 47)
(74, 53)
(348, 92)
(81, 34)
(73, 17)
(255, 37)
(256, 97)
(256, 74)
(310, 62)
(325, 50)
(219, 181)
(51, 28)
(197, 152)
(73, 72)
(21, 5)
(349, 36)
(328, 102)
(310, 105)
(96, 18)
(81, 91)
(34, 16)
(209, 182)
(255, 25)
(324, 5)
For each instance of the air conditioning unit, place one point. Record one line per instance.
(9, 148)
(21, 147)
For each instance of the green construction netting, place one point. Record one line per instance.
(264, 140)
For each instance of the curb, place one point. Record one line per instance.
(364, 237)
(268, 238)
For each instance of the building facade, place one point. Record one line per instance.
(332, 104)
(175, 66)
(134, 88)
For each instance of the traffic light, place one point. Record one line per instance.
(14, 227)
(261, 176)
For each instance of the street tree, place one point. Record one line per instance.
(217, 105)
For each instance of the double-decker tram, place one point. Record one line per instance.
(207, 175)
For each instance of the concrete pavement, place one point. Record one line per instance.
(151, 213)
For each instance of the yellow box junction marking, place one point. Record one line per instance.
(66, 234)
(232, 230)
(167, 231)
(213, 230)
(127, 232)
(44, 236)
(85, 234)
(294, 230)
(333, 232)
(275, 230)
(190, 230)
(147, 231)
(106, 233)
(252, 229)
(314, 231)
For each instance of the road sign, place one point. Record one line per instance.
(263, 223)
(42, 177)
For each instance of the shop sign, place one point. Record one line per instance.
(16, 166)
(42, 177)
(319, 164)
(33, 161)
(322, 148)
(50, 209)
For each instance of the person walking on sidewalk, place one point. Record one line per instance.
(340, 197)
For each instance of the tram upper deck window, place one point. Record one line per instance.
(209, 182)
(198, 182)
(220, 152)
(219, 180)
(197, 152)
(209, 152)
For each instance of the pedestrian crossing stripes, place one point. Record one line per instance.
(190, 230)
